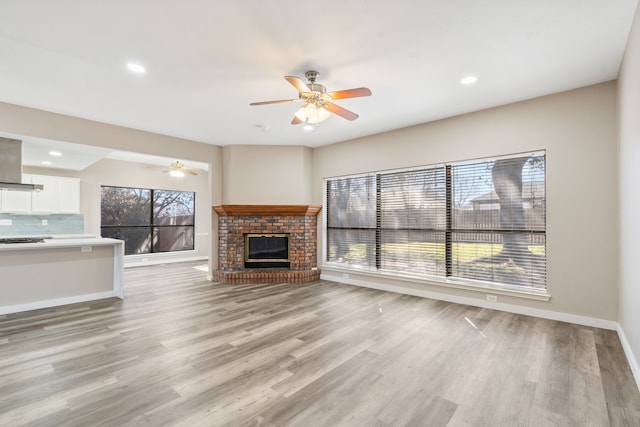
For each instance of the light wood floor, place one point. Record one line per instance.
(182, 351)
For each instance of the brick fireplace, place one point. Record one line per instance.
(299, 222)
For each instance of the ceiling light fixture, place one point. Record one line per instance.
(176, 173)
(136, 68)
(46, 163)
(469, 80)
(309, 128)
(55, 153)
(312, 113)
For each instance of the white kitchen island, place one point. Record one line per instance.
(59, 271)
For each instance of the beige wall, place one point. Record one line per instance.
(578, 131)
(266, 175)
(629, 177)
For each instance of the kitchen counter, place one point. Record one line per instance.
(59, 271)
(60, 242)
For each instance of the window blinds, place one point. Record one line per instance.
(412, 221)
(481, 220)
(351, 221)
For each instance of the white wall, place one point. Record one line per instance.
(629, 177)
(265, 175)
(578, 131)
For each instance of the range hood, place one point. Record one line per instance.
(11, 167)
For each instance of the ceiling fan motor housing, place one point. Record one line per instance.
(312, 75)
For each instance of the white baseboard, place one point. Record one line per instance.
(510, 308)
(633, 362)
(8, 309)
(156, 261)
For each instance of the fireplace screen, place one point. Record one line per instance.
(266, 250)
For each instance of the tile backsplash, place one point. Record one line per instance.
(32, 225)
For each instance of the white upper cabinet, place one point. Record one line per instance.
(60, 195)
(44, 201)
(68, 195)
(15, 202)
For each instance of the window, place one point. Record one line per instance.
(481, 221)
(149, 221)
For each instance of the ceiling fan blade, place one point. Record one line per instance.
(342, 112)
(190, 171)
(350, 93)
(297, 83)
(296, 120)
(281, 101)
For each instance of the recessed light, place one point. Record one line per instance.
(55, 153)
(136, 68)
(309, 128)
(46, 163)
(469, 80)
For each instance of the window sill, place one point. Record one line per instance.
(469, 285)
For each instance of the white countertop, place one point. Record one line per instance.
(53, 243)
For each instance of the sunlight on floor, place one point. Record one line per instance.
(203, 267)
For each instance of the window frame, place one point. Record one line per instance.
(446, 280)
(153, 227)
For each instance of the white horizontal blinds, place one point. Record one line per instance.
(412, 221)
(351, 221)
(498, 220)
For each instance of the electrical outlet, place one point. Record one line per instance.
(86, 248)
(492, 298)
(45, 222)
(6, 222)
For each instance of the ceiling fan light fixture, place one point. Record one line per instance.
(312, 114)
(318, 102)
(176, 173)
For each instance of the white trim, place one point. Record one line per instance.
(7, 309)
(631, 358)
(118, 269)
(510, 308)
(156, 261)
(469, 285)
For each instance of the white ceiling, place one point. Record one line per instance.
(207, 60)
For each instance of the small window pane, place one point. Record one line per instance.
(169, 239)
(481, 256)
(122, 206)
(173, 207)
(137, 240)
(419, 252)
(352, 247)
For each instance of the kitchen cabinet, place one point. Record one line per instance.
(44, 201)
(60, 195)
(15, 202)
(68, 195)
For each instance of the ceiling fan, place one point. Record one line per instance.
(318, 102)
(178, 170)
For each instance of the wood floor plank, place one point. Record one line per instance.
(183, 351)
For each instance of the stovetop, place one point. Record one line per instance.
(21, 240)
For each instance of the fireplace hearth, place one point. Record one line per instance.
(270, 262)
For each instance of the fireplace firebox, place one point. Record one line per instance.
(266, 251)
